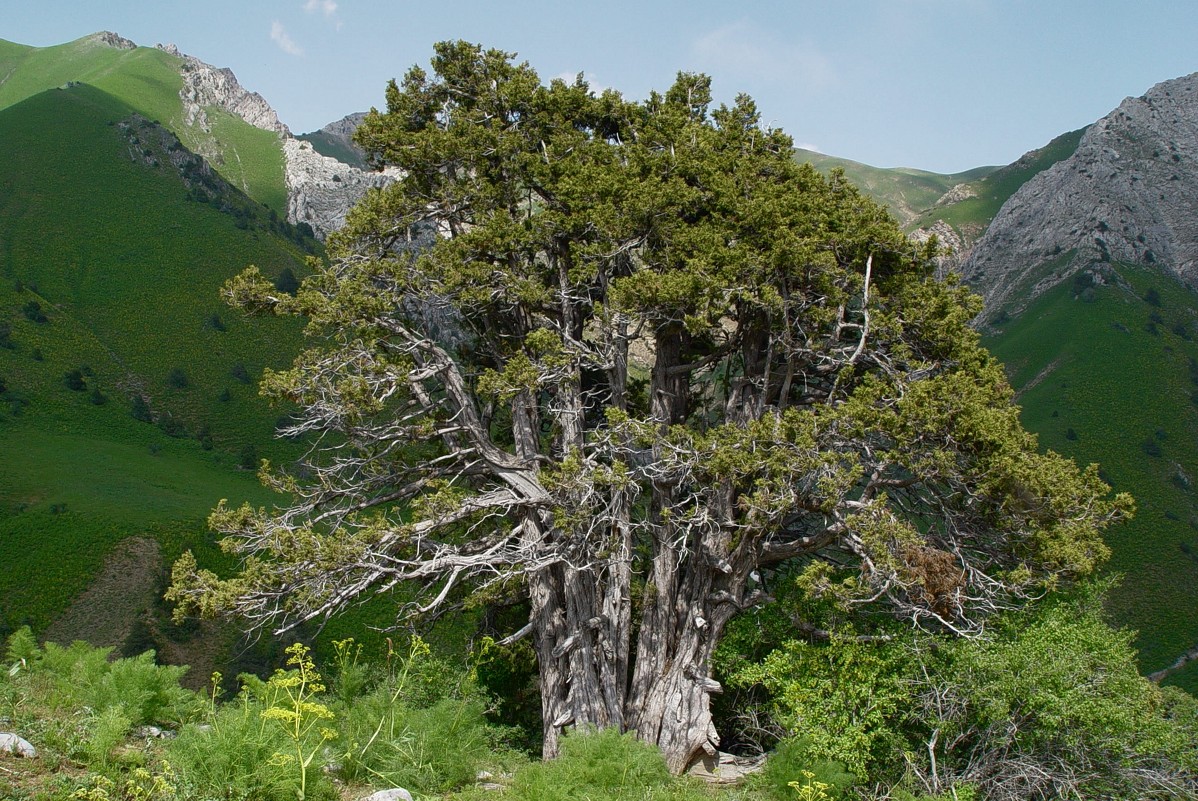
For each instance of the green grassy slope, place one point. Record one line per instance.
(148, 80)
(103, 236)
(993, 189)
(334, 148)
(911, 194)
(905, 192)
(1106, 376)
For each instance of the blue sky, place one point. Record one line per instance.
(942, 85)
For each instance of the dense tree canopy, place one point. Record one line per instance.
(624, 358)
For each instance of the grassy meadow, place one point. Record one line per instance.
(129, 404)
(1108, 373)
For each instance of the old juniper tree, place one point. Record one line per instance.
(623, 357)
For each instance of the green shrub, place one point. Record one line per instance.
(147, 692)
(603, 764)
(287, 282)
(107, 730)
(422, 725)
(33, 312)
(240, 753)
(431, 750)
(791, 760)
(177, 378)
(247, 459)
(846, 698)
(73, 380)
(1053, 706)
(140, 410)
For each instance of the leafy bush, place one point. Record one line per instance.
(792, 761)
(77, 706)
(267, 745)
(846, 698)
(33, 312)
(247, 459)
(1053, 706)
(603, 764)
(422, 725)
(73, 380)
(82, 676)
(287, 282)
(431, 750)
(140, 410)
(230, 756)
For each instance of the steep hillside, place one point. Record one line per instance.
(128, 406)
(152, 82)
(235, 130)
(956, 208)
(335, 140)
(1106, 367)
(1126, 194)
(906, 192)
(962, 215)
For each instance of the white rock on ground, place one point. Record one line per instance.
(12, 744)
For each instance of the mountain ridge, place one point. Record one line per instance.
(1126, 194)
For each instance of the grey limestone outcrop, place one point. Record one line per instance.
(1128, 194)
(320, 190)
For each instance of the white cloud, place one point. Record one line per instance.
(279, 36)
(326, 7)
(743, 50)
(808, 146)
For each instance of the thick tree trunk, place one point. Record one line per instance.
(669, 703)
(580, 629)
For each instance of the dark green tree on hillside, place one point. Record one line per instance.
(669, 357)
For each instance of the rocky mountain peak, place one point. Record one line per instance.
(110, 39)
(206, 86)
(344, 128)
(1127, 194)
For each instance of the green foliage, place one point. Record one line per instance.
(82, 675)
(420, 725)
(247, 458)
(1053, 706)
(292, 706)
(793, 761)
(177, 378)
(603, 764)
(287, 282)
(229, 756)
(1048, 703)
(73, 380)
(107, 731)
(846, 699)
(33, 312)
